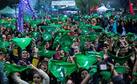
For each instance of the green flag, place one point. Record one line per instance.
(46, 53)
(120, 59)
(13, 20)
(120, 69)
(91, 37)
(11, 68)
(49, 28)
(85, 61)
(27, 18)
(10, 26)
(56, 41)
(63, 31)
(106, 75)
(66, 41)
(108, 14)
(35, 34)
(94, 53)
(57, 26)
(135, 74)
(131, 36)
(85, 31)
(93, 70)
(95, 15)
(4, 44)
(47, 21)
(22, 42)
(97, 27)
(61, 69)
(47, 36)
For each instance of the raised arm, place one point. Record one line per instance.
(17, 79)
(46, 79)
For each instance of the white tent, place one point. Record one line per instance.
(7, 10)
(102, 9)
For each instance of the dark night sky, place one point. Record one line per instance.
(113, 3)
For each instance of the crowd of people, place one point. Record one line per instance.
(65, 39)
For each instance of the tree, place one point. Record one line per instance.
(4, 3)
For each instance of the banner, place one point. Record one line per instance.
(20, 26)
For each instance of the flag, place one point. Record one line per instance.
(85, 61)
(46, 53)
(4, 44)
(61, 69)
(121, 69)
(11, 68)
(131, 10)
(22, 42)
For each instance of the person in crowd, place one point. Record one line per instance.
(24, 58)
(3, 77)
(67, 39)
